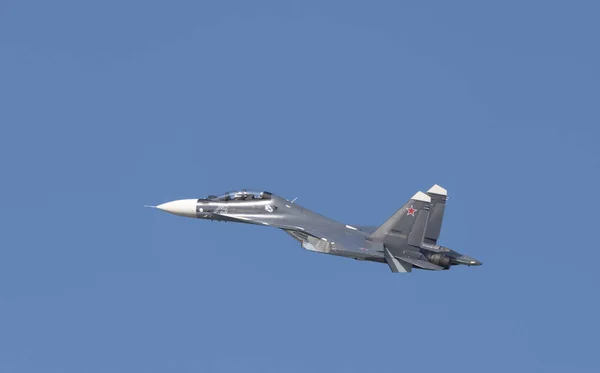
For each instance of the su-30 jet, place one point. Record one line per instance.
(407, 239)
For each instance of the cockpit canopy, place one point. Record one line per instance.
(241, 195)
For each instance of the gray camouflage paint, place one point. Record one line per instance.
(407, 239)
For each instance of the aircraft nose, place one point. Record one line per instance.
(181, 207)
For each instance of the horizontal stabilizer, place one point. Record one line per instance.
(423, 264)
(396, 265)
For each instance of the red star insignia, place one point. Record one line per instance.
(410, 210)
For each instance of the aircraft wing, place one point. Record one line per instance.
(349, 239)
(323, 234)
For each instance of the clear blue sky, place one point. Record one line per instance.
(350, 106)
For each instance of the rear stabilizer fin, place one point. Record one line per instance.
(403, 220)
(396, 265)
(420, 196)
(417, 232)
(438, 196)
(421, 263)
(436, 189)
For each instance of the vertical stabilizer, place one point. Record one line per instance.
(400, 225)
(417, 233)
(438, 196)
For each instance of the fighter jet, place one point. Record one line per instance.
(407, 240)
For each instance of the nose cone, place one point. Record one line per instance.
(182, 207)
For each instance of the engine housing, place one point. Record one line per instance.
(440, 259)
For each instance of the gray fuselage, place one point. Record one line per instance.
(405, 237)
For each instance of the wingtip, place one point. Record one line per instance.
(436, 189)
(420, 196)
